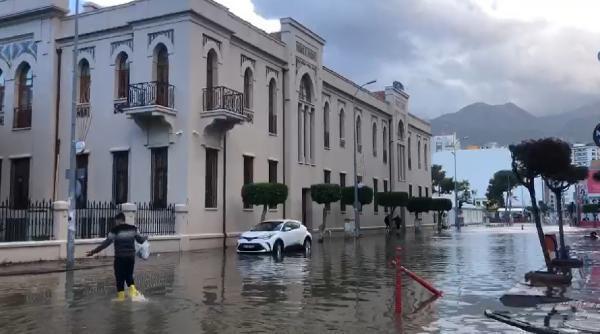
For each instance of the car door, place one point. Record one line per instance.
(287, 234)
(298, 233)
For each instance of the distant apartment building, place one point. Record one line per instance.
(445, 143)
(584, 154)
(182, 102)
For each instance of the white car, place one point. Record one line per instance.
(275, 236)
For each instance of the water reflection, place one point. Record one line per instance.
(345, 286)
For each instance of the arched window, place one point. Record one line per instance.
(342, 128)
(211, 79)
(24, 90)
(84, 81)
(425, 156)
(1, 98)
(161, 60)
(122, 75)
(272, 106)
(306, 122)
(385, 145)
(358, 134)
(409, 153)
(400, 130)
(326, 125)
(419, 154)
(248, 88)
(305, 89)
(374, 139)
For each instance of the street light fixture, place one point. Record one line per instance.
(356, 202)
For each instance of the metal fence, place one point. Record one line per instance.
(35, 222)
(95, 220)
(155, 221)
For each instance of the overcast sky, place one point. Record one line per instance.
(539, 54)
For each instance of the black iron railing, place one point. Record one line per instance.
(32, 222)
(22, 117)
(95, 220)
(155, 220)
(223, 98)
(152, 93)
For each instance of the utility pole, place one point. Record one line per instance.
(73, 154)
(356, 202)
(456, 205)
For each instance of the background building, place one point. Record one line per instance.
(584, 154)
(182, 102)
(445, 143)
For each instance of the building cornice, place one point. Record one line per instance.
(48, 11)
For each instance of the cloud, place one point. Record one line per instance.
(449, 53)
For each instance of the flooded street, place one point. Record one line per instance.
(344, 287)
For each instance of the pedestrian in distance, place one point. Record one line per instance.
(398, 222)
(124, 237)
(388, 226)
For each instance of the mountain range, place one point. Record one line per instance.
(482, 123)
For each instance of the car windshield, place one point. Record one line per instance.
(267, 226)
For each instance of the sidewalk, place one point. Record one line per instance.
(47, 267)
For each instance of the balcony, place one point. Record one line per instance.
(149, 101)
(225, 106)
(22, 117)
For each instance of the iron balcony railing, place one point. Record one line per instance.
(152, 93)
(22, 117)
(223, 98)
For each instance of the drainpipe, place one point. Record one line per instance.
(56, 121)
(225, 190)
(284, 134)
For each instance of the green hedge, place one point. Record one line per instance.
(365, 195)
(270, 194)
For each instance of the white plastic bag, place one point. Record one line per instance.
(143, 250)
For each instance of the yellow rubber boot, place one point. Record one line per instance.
(121, 296)
(133, 291)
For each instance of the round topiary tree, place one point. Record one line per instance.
(265, 194)
(365, 195)
(419, 205)
(440, 205)
(392, 200)
(325, 194)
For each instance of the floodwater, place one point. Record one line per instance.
(345, 286)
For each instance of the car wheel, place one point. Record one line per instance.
(307, 247)
(278, 249)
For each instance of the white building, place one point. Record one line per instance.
(445, 143)
(182, 102)
(583, 155)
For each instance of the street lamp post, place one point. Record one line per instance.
(356, 202)
(456, 222)
(73, 156)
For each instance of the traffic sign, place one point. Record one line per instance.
(597, 135)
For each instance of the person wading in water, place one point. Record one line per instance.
(124, 236)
